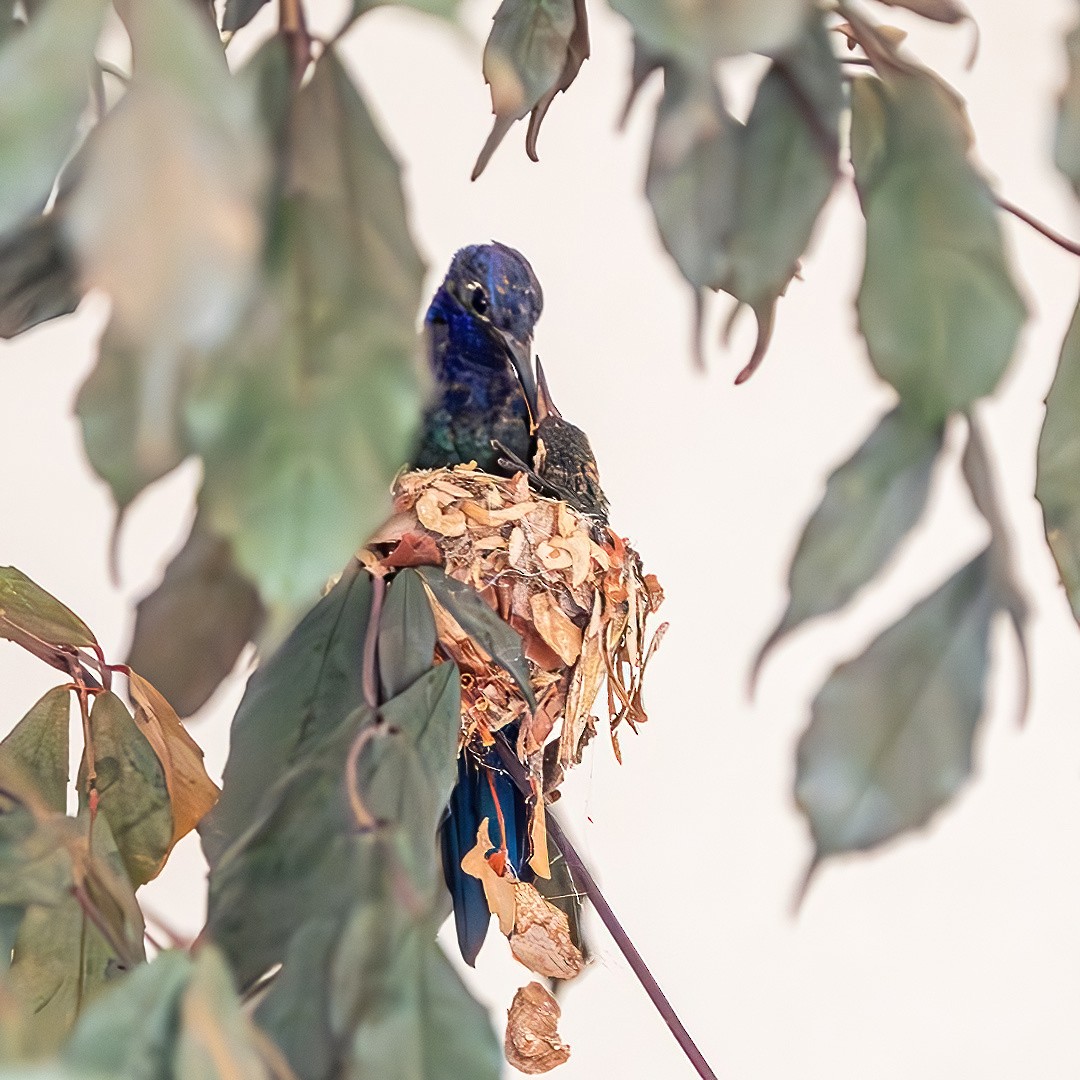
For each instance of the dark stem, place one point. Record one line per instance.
(123, 953)
(1052, 235)
(370, 673)
(293, 28)
(588, 883)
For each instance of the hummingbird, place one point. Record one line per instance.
(490, 407)
(479, 327)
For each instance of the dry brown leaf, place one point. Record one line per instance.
(532, 1042)
(552, 557)
(414, 549)
(541, 937)
(191, 792)
(555, 627)
(429, 511)
(498, 891)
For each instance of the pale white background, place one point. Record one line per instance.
(953, 953)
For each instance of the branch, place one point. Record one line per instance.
(1040, 227)
(588, 883)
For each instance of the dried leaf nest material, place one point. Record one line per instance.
(533, 1044)
(573, 590)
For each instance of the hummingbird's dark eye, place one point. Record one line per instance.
(478, 299)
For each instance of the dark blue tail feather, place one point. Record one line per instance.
(471, 801)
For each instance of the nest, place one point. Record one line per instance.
(573, 590)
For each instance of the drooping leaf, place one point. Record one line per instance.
(869, 506)
(937, 303)
(1057, 484)
(424, 1024)
(406, 634)
(305, 417)
(216, 1040)
(190, 631)
(39, 743)
(1067, 137)
(62, 961)
(299, 694)
(167, 214)
(37, 621)
(693, 175)
(946, 11)
(131, 1031)
(133, 796)
(191, 792)
(37, 847)
(698, 34)
(44, 86)
(37, 276)
(303, 858)
(788, 162)
(1008, 587)
(534, 51)
(486, 629)
(129, 424)
(238, 13)
(890, 740)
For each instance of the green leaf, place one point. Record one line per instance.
(62, 961)
(190, 631)
(301, 693)
(890, 738)
(937, 303)
(37, 275)
(420, 1023)
(698, 34)
(407, 635)
(133, 796)
(167, 214)
(216, 1038)
(1067, 136)
(129, 425)
(238, 13)
(474, 616)
(946, 11)
(870, 504)
(131, 1031)
(28, 611)
(295, 1009)
(693, 175)
(305, 417)
(44, 82)
(788, 162)
(534, 51)
(39, 743)
(1057, 484)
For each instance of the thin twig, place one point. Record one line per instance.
(589, 886)
(370, 672)
(1040, 227)
(293, 28)
(119, 948)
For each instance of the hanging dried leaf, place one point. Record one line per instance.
(533, 1044)
(499, 890)
(191, 792)
(541, 936)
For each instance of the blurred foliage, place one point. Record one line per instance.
(251, 232)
